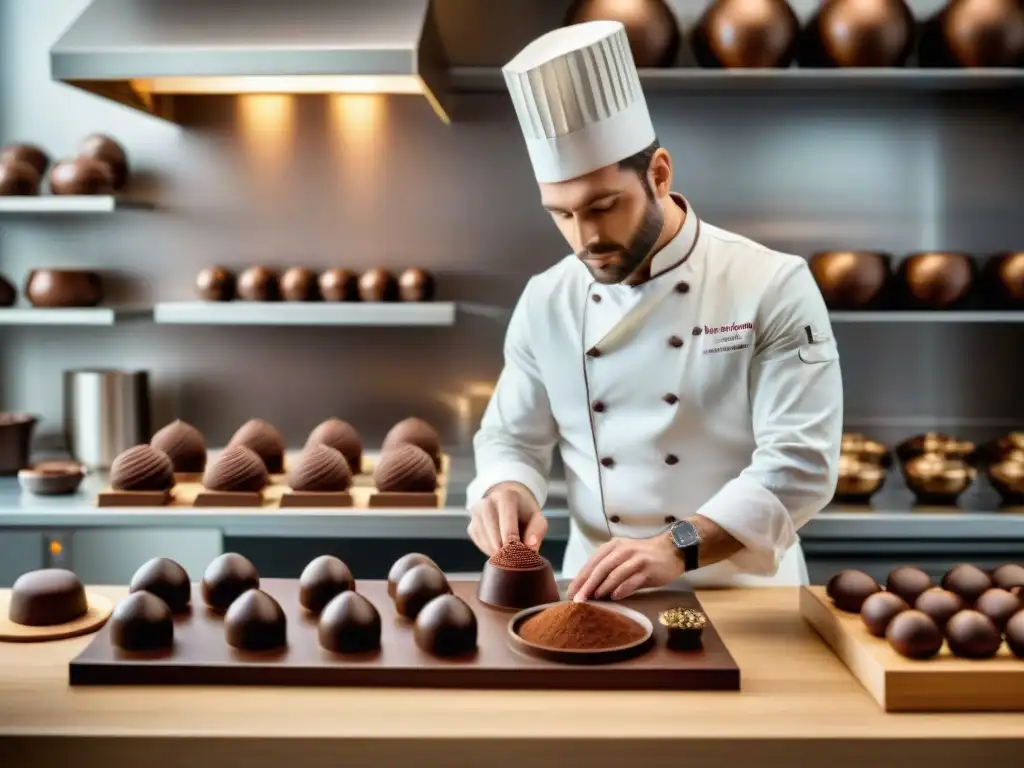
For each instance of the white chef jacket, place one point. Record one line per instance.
(713, 388)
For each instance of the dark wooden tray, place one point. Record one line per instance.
(201, 656)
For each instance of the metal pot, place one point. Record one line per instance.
(858, 480)
(937, 479)
(106, 412)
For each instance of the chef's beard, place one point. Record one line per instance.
(627, 260)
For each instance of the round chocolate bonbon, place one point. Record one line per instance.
(320, 469)
(421, 584)
(166, 579)
(849, 590)
(968, 581)
(142, 468)
(1008, 576)
(973, 635)
(403, 565)
(236, 469)
(999, 605)
(405, 468)
(880, 609)
(322, 580)
(47, 597)
(226, 578)
(914, 635)
(255, 622)
(446, 626)
(142, 622)
(349, 623)
(908, 582)
(940, 605)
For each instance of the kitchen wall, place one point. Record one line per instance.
(363, 182)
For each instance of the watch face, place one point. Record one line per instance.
(685, 535)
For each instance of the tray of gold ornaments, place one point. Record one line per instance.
(254, 469)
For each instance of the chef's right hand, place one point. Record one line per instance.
(508, 512)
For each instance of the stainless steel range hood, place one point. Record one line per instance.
(142, 53)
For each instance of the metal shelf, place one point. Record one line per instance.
(68, 316)
(63, 204)
(926, 317)
(306, 314)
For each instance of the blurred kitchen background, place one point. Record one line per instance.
(362, 181)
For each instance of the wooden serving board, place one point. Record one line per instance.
(942, 684)
(201, 656)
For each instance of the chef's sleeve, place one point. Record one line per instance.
(517, 435)
(796, 400)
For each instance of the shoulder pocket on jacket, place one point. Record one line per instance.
(819, 352)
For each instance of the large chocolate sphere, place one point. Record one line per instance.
(322, 580)
(849, 590)
(999, 605)
(858, 33)
(8, 293)
(167, 580)
(880, 609)
(142, 468)
(18, 179)
(975, 33)
(403, 565)
(142, 622)
(227, 577)
(1015, 635)
(1008, 576)
(446, 626)
(940, 605)
(914, 635)
(349, 623)
(415, 285)
(651, 27)
(215, 284)
(255, 622)
(299, 284)
(937, 279)
(968, 581)
(746, 34)
(338, 284)
(63, 288)
(258, 284)
(850, 279)
(972, 635)
(81, 176)
(108, 151)
(26, 153)
(1004, 278)
(908, 582)
(378, 284)
(420, 584)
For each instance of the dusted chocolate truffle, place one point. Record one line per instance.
(880, 609)
(341, 436)
(184, 444)
(349, 623)
(237, 469)
(258, 284)
(263, 438)
(322, 580)
(1015, 634)
(405, 469)
(914, 635)
(403, 565)
(446, 626)
(416, 285)
(18, 178)
(142, 622)
(339, 285)
(299, 284)
(166, 579)
(849, 590)
(908, 583)
(968, 581)
(378, 285)
(26, 153)
(320, 469)
(255, 622)
(215, 284)
(81, 176)
(940, 605)
(226, 577)
(46, 597)
(972, 635)
(1008, 576)
(421, 584)
(416, 432)
(142, 468)
(999, 605)
(109, 151)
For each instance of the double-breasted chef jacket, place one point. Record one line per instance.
(712, 388)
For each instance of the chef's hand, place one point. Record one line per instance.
(622, 566)
(508, 512)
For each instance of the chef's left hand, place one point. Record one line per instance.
(622, 566)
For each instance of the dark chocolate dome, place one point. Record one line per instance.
(405, 469)
(184, 444)
(322, 580)
(46, 597)
(255, 622)
(142, 468)
(320, 468)
(265, 440)
(236, 469)
(341, 436)
(167, 580)
(142, 622)
(226, 577)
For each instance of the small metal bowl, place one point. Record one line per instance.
(602, 656)
(51, 478)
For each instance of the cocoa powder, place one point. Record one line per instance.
(516, 555)
(580, 627)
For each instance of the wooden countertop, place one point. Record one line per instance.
(798, 706)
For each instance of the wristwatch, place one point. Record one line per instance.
(686, 538)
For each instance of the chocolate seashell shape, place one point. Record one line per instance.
(265, 440)
(416, 432)
(184, 444)
(236, 469)
(320, 468)
(142, 468)
(341, 436)
(405, 469)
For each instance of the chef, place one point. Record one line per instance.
(688, 375)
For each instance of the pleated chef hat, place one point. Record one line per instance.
(577, 94)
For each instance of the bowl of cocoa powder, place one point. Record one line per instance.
(581, 633)
(516, 577)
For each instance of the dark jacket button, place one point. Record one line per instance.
(596, 297)
(671, 459)
(614, 519)
(682, 287)
(675, 341)
(697, 330)
(670, 518)
(671, 399)
(598, 406)
(593, 352)
(607, 461)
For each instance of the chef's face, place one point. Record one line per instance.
(612, 217)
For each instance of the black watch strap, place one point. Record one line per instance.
(686, 538)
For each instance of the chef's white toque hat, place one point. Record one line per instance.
(578, 98)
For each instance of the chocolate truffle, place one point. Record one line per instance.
(403, 565)
(215, 284)
(972, 635)
(416, 285)
(880, 609)
(108, 151)
(849, 590)
(323, 579)
(142, 468)
(299, 284)
(415, 432)
(142, 622)
(940, 605)
(421, 584)
(184, 444)
(378, 285)
(81, 176)
(1008, 576)
(405, 469)
(999, 605)
(226, 577)
(258, 284)
(26, 153)
(255, 622)
(319, 469)
(166, 579)
(446, 626)
(349, 623)
(968, 581)
(18, 179)
(908, 582)
(46, 597)
(263, 438)
(339, 285)
(914, 635)
(236, 469)
(1015, 634)
(341, 436)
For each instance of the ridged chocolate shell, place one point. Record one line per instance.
(405, 469)
(237, 469)
(264, 439)
(142, 468)
(341, 436)
(320, 468)
(414, 431)
(184, 444)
